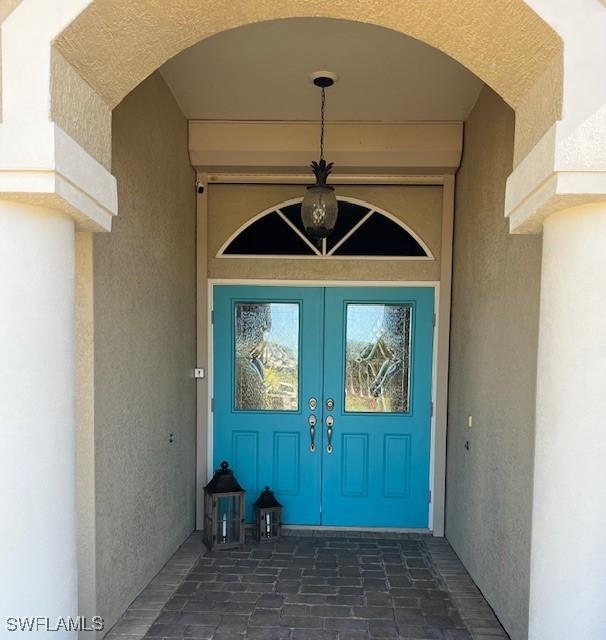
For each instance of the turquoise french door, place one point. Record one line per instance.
(324, 394)
(267, 364)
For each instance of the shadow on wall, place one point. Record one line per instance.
(495, 309)
(145, 350)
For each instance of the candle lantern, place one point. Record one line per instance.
(268, 516)
(223, 510)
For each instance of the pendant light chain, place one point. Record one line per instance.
(319, 209)
(322, 123)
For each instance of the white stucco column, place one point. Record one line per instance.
(568, 553)
(38, 573)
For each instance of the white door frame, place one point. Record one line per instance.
(429, 284)
(204, 287)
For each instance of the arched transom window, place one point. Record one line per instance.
(362, 230)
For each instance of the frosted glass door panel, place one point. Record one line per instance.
(377, 358)
(267, 356)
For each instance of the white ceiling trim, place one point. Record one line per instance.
(241, 147)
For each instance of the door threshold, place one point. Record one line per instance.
(326, 529)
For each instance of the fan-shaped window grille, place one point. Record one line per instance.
(361, 230)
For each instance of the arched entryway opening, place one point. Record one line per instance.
(508, 46)
(515, 91)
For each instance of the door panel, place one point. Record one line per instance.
(267, 364)
(369, 351)
(377, 368)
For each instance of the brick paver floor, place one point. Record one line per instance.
(319, 587)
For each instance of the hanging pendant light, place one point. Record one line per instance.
(319, 208)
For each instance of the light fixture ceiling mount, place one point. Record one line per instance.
(319, 208)
(323, 79)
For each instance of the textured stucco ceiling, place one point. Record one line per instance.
(261, 72)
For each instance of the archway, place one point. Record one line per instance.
(507, 45)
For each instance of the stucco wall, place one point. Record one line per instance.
(144, 280)
(79, 111)
(230, 206)
(493, 369)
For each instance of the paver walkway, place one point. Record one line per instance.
(319, 587)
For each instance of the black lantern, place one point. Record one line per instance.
(268, 516)
(319, 209)
(223, 510)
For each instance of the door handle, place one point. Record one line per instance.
(330, 421)
(312, 432)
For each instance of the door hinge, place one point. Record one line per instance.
(212, 316)
(429, 496)
(431, 409)
(212, 405)
(434, 319)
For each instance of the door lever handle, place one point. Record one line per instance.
(312, 432)
(330, 421)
